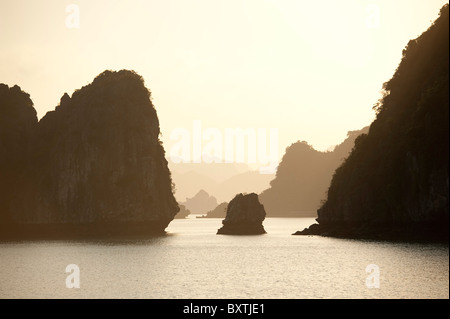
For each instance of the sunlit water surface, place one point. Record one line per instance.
(191, 261)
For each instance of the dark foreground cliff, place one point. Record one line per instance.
(93, 166)
(395, 183)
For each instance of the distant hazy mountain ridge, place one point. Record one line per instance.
(200, 203)
(221, 180)
(303, 177)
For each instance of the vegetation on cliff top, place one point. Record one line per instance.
(397, 174)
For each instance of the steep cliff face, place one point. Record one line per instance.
(17, 123)
(245, 215)
(97, 159)
(303, 177)
(396, 177)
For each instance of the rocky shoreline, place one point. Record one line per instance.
(415, 232)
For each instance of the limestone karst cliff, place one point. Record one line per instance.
(96, 162)
(17, 123)
(245, 215)
(200, 203)
(303, 177)
(395, 182)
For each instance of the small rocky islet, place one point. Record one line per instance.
(244, 216)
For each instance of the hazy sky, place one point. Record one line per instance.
(312, 69)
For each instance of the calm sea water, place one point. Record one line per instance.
(191, 261)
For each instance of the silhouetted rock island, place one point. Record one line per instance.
(395, 183)
(245, 215)
(93, 166)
